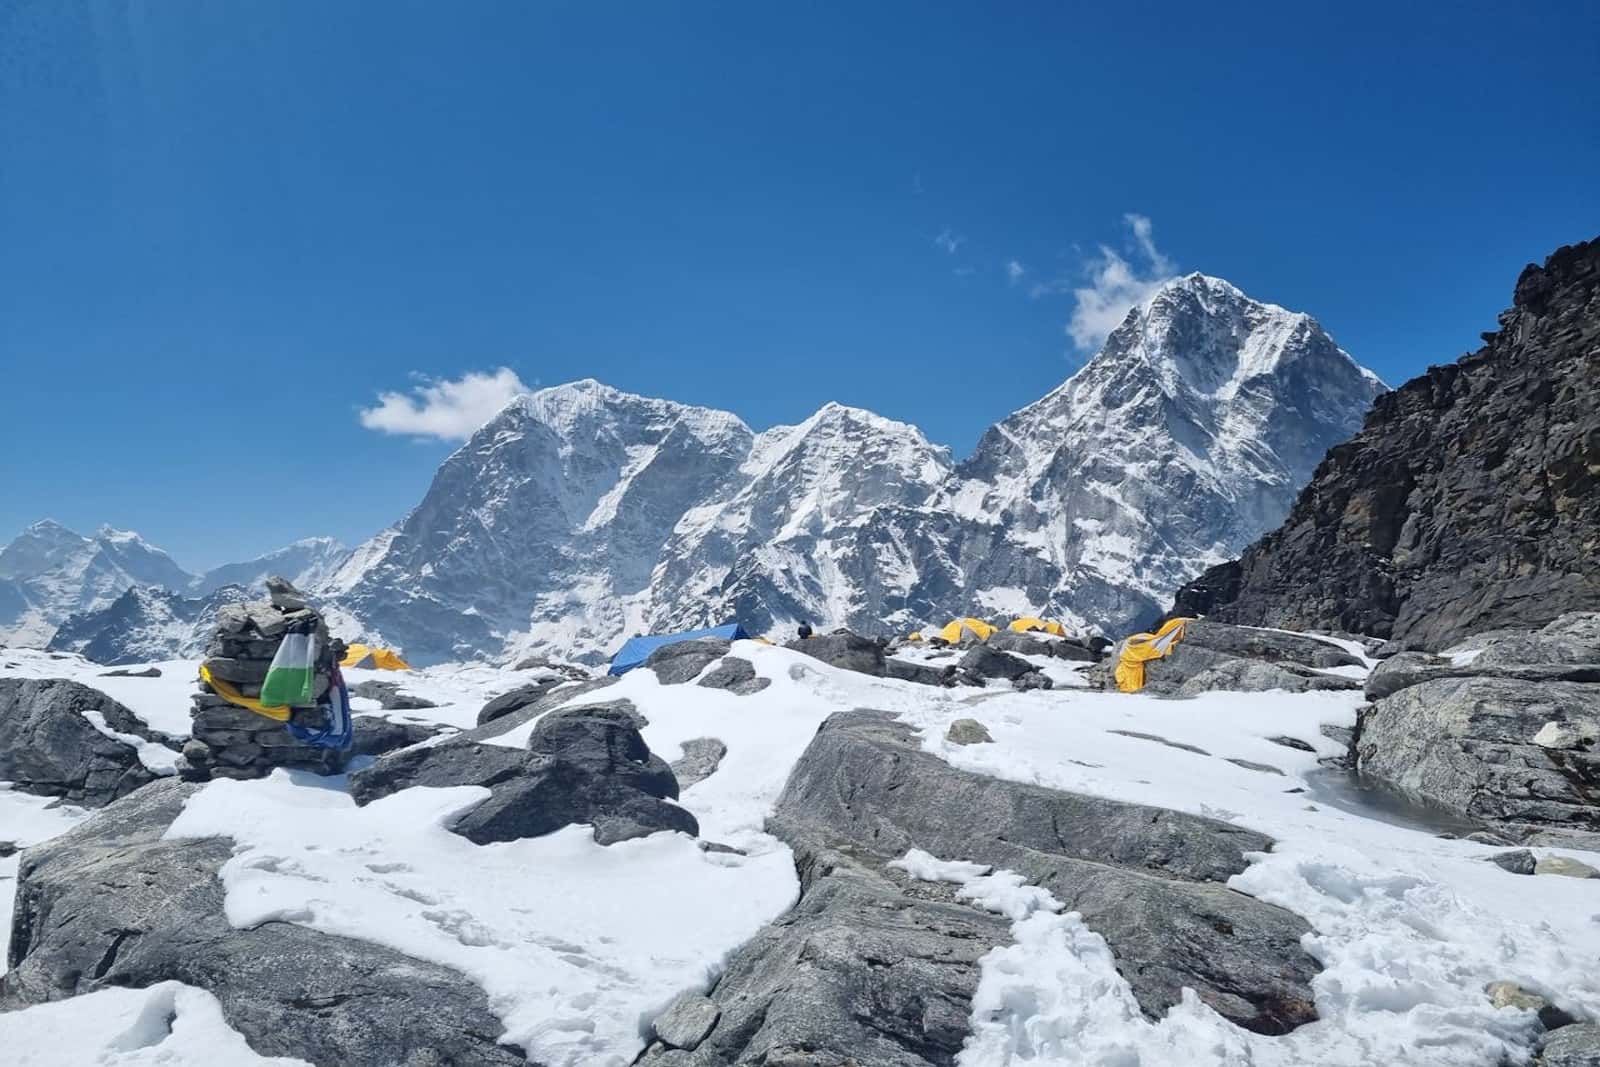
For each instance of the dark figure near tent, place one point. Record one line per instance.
(805, 630)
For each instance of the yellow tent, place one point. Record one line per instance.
(1141, 648)
(381, 659)
(958, 630)
(1029, 624)
(914, 636)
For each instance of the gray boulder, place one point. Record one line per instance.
(700, 760)
(847, 651)
(48, 745)
(1571, 1046)
(736, 676)
(687, 1020)
(530, 705)
(110, 903)
(1005, 640)
(515, 700)
(389, 696)
(1258, 676)
(1518, 861)
(968, 732)
(682, 661)
(1565, 867)
(375, 735)
(1467, 743)
(987, 662)
(873, 967)
(921, 673)
(581, 765)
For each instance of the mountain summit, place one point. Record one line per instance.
(581, 514)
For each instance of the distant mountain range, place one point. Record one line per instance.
(582, 514)
(49, 574)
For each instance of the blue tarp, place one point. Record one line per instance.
(638, 649)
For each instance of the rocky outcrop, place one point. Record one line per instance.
(845, 650)
(111, 903)
(581, 765)
(735, 675)
(871, 967)
(390, 697)
(55, 740)
(1215, 656)
(1510, 736)
(1470, 500)
(682, 661)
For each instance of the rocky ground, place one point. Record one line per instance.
(846, 851)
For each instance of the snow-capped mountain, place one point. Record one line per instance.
(307, 563)
(49, 574)
(144, 624)
(1194, 427)
(582, 514)
(545, 527)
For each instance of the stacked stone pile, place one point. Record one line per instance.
(232, 742)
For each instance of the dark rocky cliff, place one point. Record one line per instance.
(1470, 500)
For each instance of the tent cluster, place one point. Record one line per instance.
(380, 659)
(969, 629)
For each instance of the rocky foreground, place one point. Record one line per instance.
(850, 851)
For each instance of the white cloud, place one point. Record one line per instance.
(449, 410)
(1116, 285)
(1015, 271)
(949, 240)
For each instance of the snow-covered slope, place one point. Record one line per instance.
(582, 514)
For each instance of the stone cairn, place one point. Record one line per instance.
(228, 741)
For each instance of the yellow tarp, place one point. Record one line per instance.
(1142, 648)
(955, 630)
(382, 659)
(1030, 624)
(277, 712)
(917, 636)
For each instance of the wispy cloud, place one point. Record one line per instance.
(1015, 271)
(949, 240)
(448, 410)
(1117, 282)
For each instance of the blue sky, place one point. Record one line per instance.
(226, 228)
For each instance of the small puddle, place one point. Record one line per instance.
(1347, 792)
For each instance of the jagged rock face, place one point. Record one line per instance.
(582, 514)
(145, 624)
(1470, 500)
(1186, 436)
(49, 572)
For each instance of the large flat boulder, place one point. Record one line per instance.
(110, 903)
(870, 967)
(847, 651)
(581, 765)
(1472, 744)
(50, 743)
(682, 661)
